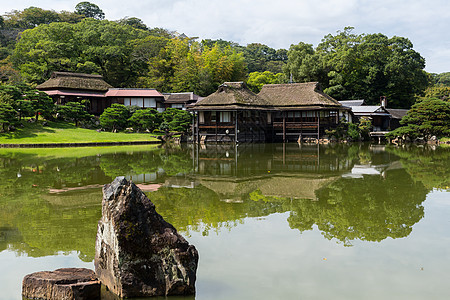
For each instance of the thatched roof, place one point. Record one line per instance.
(231, 95)
(296, 95)
(397, 113)
(75, 81)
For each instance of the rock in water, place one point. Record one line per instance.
(137, 253)
(68, 283)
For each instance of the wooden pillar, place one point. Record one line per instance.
(318, 124)
(236, 127)
(301, 126)
(217, 123)
(284, 127)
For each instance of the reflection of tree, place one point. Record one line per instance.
(201, 209)
(371, 208)
(429, 165)
(172, 161)
(36, 221)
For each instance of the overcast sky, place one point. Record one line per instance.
(280, 23)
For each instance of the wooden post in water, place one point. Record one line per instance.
(236, 120)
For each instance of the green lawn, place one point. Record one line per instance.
(55, 132)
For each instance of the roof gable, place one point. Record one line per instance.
(232, 94)
(296, 94)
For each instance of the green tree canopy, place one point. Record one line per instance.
(426, 118)
(145, 119)
(74, 112)
(89, 10)
(365, 66)
(7, 115)
(184, 64)
(256, 80)
(90, 46)
(133, 22)
(30, 17)
(114, 117)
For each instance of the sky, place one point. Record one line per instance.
(281, 23)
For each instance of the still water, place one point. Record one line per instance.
(270, 221)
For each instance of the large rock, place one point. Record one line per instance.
(137, 253)
(62, 284)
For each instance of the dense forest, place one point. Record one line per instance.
(35, 42)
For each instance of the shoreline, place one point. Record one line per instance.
(84, 144)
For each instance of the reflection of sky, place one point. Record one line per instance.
(14, 267)
(265, 259)
(359, 170)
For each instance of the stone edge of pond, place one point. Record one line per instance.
(88, 144)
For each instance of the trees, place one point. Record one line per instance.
(89, 10)
(40, 103)
(30, 17)
(114, 117)
(365, 66)
(7, 115)
(426, 118)
(184, 64)
(74, 112)
(177, 120)
(260, 58)
(90, 46)
(256, 80)
(145, 119)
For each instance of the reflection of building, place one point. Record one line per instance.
(274, 170)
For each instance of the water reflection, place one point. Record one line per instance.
(50, 201)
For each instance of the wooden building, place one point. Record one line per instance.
(65, 87)
(180, 100)
(143, 98)
(279, 113)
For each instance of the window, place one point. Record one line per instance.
(149, 102)
(177, 105)
(201, 117)
(225, 116)
(213, 117)
(136, 102)
(126, 101)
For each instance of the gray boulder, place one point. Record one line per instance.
(139, 254)
(62, 284)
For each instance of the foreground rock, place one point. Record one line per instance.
(139, 254)
(67, 284)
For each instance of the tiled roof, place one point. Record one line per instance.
(133, 93)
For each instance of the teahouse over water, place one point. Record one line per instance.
(280, 112)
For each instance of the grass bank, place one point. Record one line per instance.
(55, 132)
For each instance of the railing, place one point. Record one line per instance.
(296, 125)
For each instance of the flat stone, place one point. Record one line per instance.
(67, 283)
(138, 253)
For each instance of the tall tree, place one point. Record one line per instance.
(351, 66)
(30, 17)
(90, 46)
(89, 10)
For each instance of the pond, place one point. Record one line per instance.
(270, 221)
